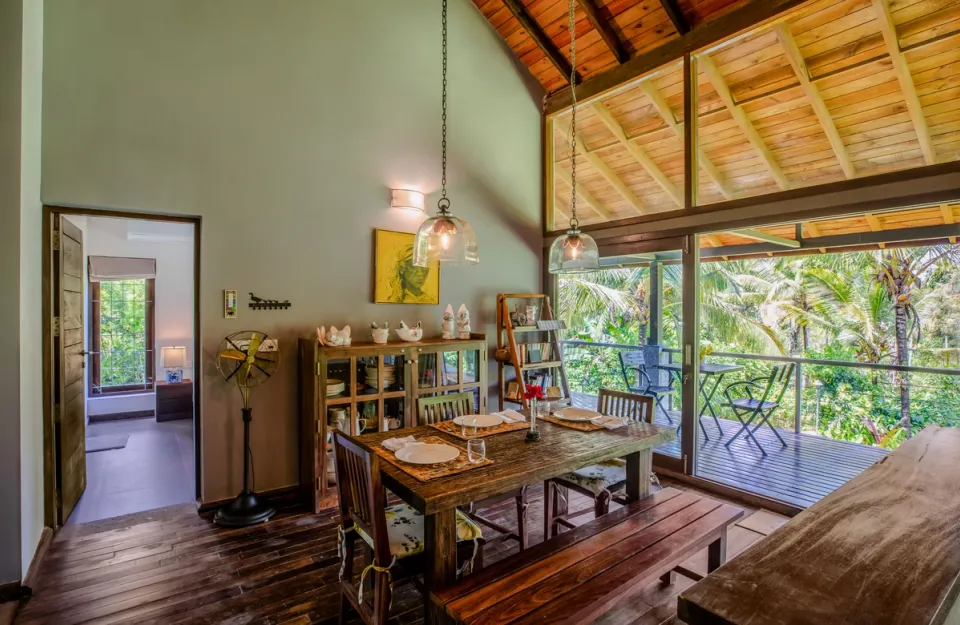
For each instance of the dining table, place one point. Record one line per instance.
(714, 370)
(515, 463)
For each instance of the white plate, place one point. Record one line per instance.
(427, 453)
(576, 414)
(483, 420)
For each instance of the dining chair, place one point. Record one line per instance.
(637, 379)
(761, 407)
(432, 410)
(392, 536)
(599, 481)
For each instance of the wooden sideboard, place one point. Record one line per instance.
(380, 388)
(174, 400)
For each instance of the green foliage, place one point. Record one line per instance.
(123, 332)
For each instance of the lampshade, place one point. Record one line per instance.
(574, 252)
(447, 239)
(173, 357)
(406, 198)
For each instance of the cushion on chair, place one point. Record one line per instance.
(598, 477)
(405, 530)
(751, 404)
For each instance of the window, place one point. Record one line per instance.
(122, 353)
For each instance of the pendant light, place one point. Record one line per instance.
(574, 252)
(445, 238)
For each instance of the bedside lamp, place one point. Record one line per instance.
(173, 359)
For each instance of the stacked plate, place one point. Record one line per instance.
(335, 387)
(389, 376)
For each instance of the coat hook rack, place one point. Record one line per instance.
(259, 303)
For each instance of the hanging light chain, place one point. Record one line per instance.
(574, 222)
(444, 204)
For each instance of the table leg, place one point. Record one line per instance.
(717, 552)
(639, 467)
(708, 400)
(440, 557)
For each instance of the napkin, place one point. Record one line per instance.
(511, 416)
(611, 423)
(395, 444)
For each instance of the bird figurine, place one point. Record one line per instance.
(255, 299)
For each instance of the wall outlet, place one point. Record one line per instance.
(270, 345)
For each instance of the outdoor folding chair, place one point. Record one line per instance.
(638, 381)
(749, 408)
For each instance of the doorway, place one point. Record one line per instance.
(121, 321)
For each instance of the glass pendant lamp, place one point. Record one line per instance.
(445, 238)
(574, 252)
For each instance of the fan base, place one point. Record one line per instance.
(246, 509)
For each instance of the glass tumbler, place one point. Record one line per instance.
(476, 450)
(468, 427)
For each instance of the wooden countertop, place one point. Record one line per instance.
(882, 549)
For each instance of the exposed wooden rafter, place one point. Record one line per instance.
(757, 235)
(875, 225)
(584, 195)
(546, 45)
(660, 104)
(947, 213)
(902, 71)
(638, 153)
(814, 230)
(606, 31)
(723, 91)
(676, 16)
(563, 126)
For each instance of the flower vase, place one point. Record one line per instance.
(533, 434)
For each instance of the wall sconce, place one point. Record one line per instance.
(406, 198)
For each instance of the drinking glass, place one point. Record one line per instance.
(543, 408)
(468, 427)
(476, 450)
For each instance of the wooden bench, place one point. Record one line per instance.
(581, 574)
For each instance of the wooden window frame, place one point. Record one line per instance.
(95, 390)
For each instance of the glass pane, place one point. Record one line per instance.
(394, 367)
(367, 418)
(427, 370)
(123, 333)
(338, 378)
(470, 359)
(448, 368)
(367, 376)
(393, 413)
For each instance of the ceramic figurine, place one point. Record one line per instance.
(411, 335)
(337, 338)
(380, 335)
(448, 326)
(517, 317)
(463, 322)
(531, 315)
(322, 335)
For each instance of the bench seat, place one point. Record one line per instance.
(581, 574)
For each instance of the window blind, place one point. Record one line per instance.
(104, 268)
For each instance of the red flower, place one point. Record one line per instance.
(534, 392)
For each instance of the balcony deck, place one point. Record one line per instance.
(809, 468)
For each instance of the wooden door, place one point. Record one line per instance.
(69, 389)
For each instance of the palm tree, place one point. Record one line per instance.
(899, 271)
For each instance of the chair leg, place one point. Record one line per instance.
(746, 430)
(381, 598)
(601, 505)
(522, 518)
(668, 578)
(346, 575)
(765, 418)
(666, 413)
(548, 497)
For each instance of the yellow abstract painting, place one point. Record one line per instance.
(397, 280)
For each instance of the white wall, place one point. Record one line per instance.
(171, 244)
(283, 125)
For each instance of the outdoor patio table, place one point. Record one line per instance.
(708, 369)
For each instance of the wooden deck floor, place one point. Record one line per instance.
(171, 566)
(808, 469)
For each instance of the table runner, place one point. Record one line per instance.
(426, 472)
(451, 428)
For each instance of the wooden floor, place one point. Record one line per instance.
(808, 469)
(172, 566)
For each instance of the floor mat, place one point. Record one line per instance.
(104, 443)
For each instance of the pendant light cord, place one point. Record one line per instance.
(574, 222)
(444, 204)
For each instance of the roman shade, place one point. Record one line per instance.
(103, 268)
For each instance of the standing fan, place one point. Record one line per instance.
(241, 358)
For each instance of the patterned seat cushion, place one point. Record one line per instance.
(598, 477)
(405, 529)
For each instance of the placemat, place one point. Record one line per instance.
(583, 426)
(426, 472)
(451, 428)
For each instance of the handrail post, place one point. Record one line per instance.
(798, 397)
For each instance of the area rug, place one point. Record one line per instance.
(105, 443)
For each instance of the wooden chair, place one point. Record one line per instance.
(637, 379)
(599, 481)
(447, 407)
(749, 408)
(392, 535)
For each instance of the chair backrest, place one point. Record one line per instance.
(361, 493)
(780, 375)
(631, 365)
(444, 407)
(630, 405)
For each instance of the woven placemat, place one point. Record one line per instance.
(426, 472)
(451, 428)
(583, 426)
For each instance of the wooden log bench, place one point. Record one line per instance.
(579, 575)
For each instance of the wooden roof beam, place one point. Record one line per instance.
(563, 126)
(584, 195)
(902, 71)
(875, 226)
(605, 30)
(723, 90)
(814, 231)
(757, 235)
(546, 45)
(660, 104)
(947, 213)
(676, 16)
(799, 65)
(638, 153)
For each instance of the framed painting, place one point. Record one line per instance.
(396, 279)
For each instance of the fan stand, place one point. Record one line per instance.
(248, 508)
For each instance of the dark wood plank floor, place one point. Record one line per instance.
(807, 470)
(173, 566)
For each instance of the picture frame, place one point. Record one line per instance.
(396, 280)
(229, 304)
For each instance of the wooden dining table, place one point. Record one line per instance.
(516, 463)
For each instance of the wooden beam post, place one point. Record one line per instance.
(875, 225)
(757, 235)
(546, 45)
(606, 31)
(691, 180)
(676, 16)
